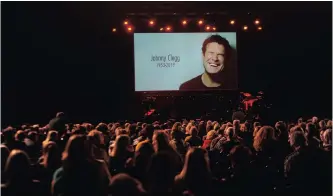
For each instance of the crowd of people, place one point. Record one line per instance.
(191, 157)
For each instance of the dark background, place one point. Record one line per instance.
(62, 56)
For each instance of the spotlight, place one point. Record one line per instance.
(125, 22)
(214, 29)
(259, 28)
(208, 28)
(168, 28)
(184, 22)
(129, 29)
(200, 22)
(257, 22)
(114, 30)
(151, 22)
(232, 22)
(161, 29)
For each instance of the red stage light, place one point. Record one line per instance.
(151, 22)
(184, 22)
(129, 29)
(168, 28)
(200, 22)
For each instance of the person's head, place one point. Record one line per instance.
(194, 132)
(211, 135)
(77, 151)
(196, 165)
(315, 120)
(8, 134)
(176, 135)
(322, 125)
(281, 130)
(240, 156)
(209, 127)
(96, 138)
(264, 136)
(120, 131)
(216, 126)
(160, 142)
(229, 132)
(122, 146)
(33, 136)
(52, 156)
(176, 126)
(188, 127)
(19, 136)
(102, 127)
(310, 130)
(51, 136)
(124, 185)
(236, 125)
(4, 156)
(215, 52)
(299, 120)
(327, 138)
(18, 167)
(297, 139)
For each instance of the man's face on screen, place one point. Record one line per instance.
(213, 59)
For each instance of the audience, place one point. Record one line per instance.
(168, 158)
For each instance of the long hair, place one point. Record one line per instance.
(52, 156)
(176, 126)
(263, 138)
(77, 152)
(18, 167)
(196, 170)
(121, 146)
(161, 142)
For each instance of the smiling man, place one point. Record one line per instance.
(216, 51)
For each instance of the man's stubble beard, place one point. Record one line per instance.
(216, 77)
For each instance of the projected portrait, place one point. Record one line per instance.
(216, 56)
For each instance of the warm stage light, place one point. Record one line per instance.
(114, 30)
(257, 22)
(232, 22)
(214, 28)
(129, 29)
(200, 22)
(245, 28)
(207, 28)
(151, 22)
(161, 29)
(168, 28)
(259, 28)
(125, 22)
(184, 22)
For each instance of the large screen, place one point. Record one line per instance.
(185, 61)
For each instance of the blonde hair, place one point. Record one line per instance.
(263, 137)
